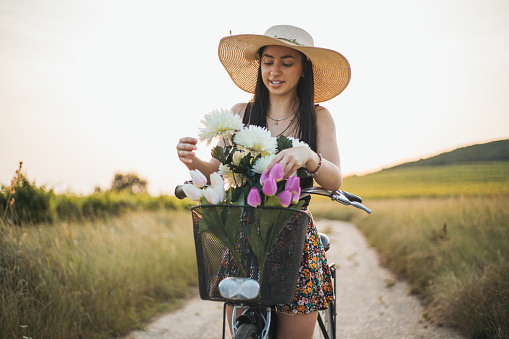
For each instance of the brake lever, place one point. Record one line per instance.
(340, 197)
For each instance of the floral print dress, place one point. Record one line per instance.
(314, 288)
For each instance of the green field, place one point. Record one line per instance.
(444, 228)
(464, 179)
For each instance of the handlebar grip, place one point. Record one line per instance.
(179, 192)
(352, 197)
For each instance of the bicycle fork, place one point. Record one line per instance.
(264, 318)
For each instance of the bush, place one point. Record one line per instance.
(35, 205)
(32, 204)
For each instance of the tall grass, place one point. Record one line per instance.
(454, 251)
(93, 280)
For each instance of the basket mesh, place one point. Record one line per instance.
(281, 268)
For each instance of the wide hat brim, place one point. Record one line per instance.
(238, 54)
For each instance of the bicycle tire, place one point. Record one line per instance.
(326, 317)
(246, 331)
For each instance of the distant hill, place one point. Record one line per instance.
(491, 151)
(477, 170)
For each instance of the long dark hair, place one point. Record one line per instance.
(256, 110)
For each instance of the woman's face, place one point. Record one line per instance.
(281, 69)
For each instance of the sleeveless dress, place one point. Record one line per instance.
(314, 288)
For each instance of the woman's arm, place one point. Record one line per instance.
(329, 175)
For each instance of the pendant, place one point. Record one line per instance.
(276, 123)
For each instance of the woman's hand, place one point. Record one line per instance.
(294, 158)
(186, 148)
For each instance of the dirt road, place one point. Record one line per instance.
(371, 302)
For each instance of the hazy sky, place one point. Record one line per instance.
(94, 87)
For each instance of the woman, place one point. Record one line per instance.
(288, 76)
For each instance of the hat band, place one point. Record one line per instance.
(293, 41)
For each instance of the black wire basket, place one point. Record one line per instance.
(262, 243)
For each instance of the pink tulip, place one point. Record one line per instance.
(296, 196)
(293, 184)
(264, 177)
(277, 172)
(192, 192)
(285, 197)
(199, 180)
(254, 199)
(269, 187)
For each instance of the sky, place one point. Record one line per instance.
(97, 87)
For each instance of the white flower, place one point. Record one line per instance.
(192, 192)
(217, 183)
(216, 180)
(211, 195)
(219, 123)
(261, 164)
(229, 178)
(257, 140)
(199, 180)
(297, 142)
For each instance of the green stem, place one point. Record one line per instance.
(232, 250)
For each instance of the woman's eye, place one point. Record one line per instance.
(288, 65)
(267, 63)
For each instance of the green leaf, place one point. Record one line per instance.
(239, 196)
(232, 222)
(204, 201)
(298, 204)
(218, 153)
(273, 201)
(283, 143)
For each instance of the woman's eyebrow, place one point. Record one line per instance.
(283, 57)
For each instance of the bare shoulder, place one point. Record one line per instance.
(239, 109)
(323, 116)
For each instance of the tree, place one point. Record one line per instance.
(129, 182)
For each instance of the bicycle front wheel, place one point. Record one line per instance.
(246, 331)
(324, 328)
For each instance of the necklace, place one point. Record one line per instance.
(278, 120)
(287, 127)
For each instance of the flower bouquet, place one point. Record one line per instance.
(242, 180)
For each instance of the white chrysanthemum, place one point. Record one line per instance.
(229, 178)
(297, 142)
(219, 123)
(257, 140)
(262, 163)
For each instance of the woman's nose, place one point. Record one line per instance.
(275, 70)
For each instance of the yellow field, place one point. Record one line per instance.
(453, 250)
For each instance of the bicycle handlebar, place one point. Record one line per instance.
(342, 197)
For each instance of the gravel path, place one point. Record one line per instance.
(371, 302)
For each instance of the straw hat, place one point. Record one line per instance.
(238, 54)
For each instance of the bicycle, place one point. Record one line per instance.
(220, 278)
